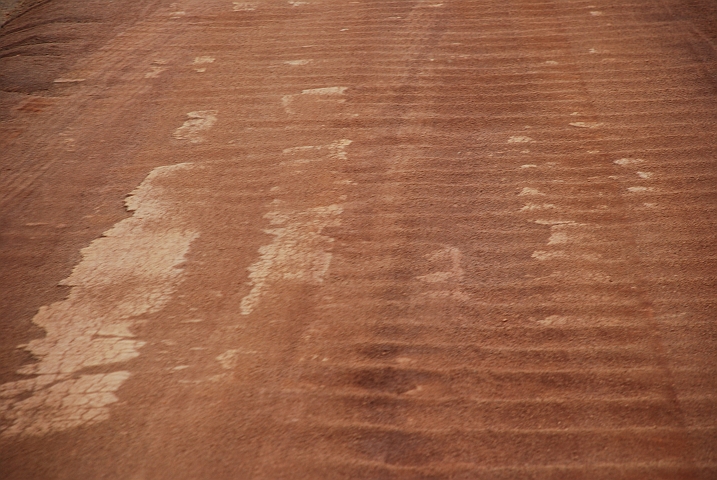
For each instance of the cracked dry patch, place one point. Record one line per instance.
(299, 252)
(130, 271)
(197, 123)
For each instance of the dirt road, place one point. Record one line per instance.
(369, 239)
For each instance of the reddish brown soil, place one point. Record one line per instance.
(496, 259)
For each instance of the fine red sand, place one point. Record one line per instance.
(364, 239)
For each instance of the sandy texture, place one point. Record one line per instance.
(425, 239)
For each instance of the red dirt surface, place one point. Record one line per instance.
(369, 239)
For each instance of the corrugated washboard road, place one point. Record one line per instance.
(362, 239)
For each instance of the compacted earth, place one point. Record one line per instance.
(372, 239)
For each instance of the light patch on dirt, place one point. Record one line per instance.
(69, 80)
(638, 189)
(562, 233)
(154, 71)
(530, 207)
(448, 255)
(559, 232)
(305, 148)
(520, 139)
(530, 191)
(543, 255)
(130, 271)
(203, 60)
(553, 222)
(228, 359)
(628, 161)
(295, 63)
(57, 402)
(299, 252)
(554, 320)
(567, 232)
(645, 175)
(325, 91)
(558, 237)
(197, 123)
(448, 278)
(586, 124)
(335, 150)
(244, 6)
(562, 255)
(286, 102)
